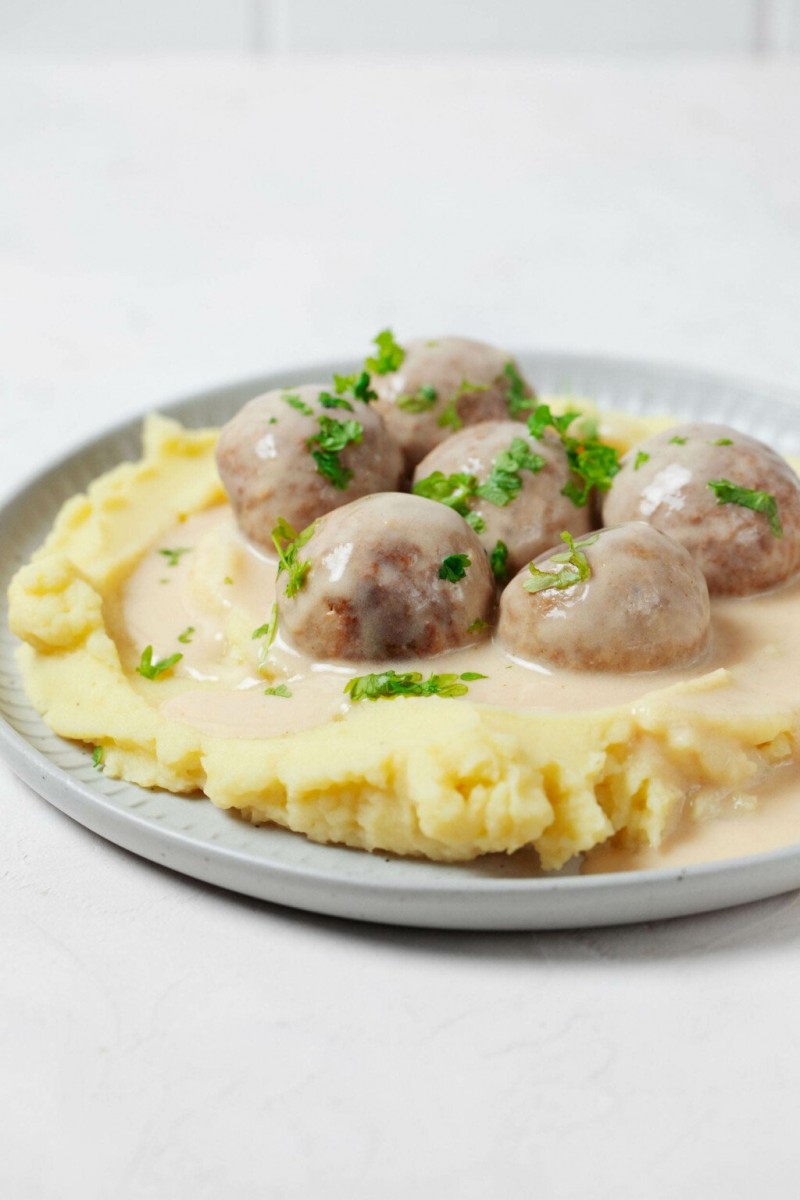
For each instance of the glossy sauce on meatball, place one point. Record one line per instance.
(444, 384)
(728, 498)
(526, 510)
(390, 576)
(297, 453)
(627, 599)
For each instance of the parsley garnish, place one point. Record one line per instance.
(449, 414)
(498, 561)
(478, 625)
(280, 690)
(641, 458)
(390, 355)
(354, 387)
(294, 400)
(152, 670)
(678, 440)
(503, 482)
(268, 630)
(518, 401)
(721, 442)
(98, 758)
(326, 445)
(173, 557)
(574, 567)
(761, 502)
(389, 684)
(186, 636)
(329, 401)
(592, 461)
(454, 567)
(452, 490)
(422, 401)
(288, 543)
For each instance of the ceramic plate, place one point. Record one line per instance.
(193, 837)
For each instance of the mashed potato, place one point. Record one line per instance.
(505, 767)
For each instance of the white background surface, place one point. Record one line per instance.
(166, 225)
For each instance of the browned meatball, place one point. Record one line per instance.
(522, 508)
(640, 603)
(444, 384)
(698, 483)
(275, 458)
(391, 576)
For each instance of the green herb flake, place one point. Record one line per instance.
(173, 557)
(498, 561)
(294, 401)
(267, 631)
(329, 401)
(641, 458)
(153, 670)
(478, 625)
(228, 581)
(354, 387)
(390, 355)
(476, 521)
(573, 567)
(326, 445)
(98, 758)
(519, 401)
(422, 401)
(288, 545)
(389, 684)
(723, 441)
(453, 490)
(678, 440)
(503, 483)
(471, 676)
(187, 635)
(760, 502)
(280, 690)
(448, 418)
(454, 567)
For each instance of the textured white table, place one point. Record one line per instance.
(165, 226)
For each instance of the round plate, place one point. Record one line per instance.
(197, 839)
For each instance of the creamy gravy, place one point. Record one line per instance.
(205, 601)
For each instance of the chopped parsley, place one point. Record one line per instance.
(448, 417)
(591, 460)
(422, 401)
(292, 399)
(390, 355)
(641, 458)
(187, 634)
(678, 440)
(326, 446)
(329, 401)
(288, 544)
(354, 387)
(478, 625)
(389, 684)
(721, 442)
(761, 502)
(454, 567)
(152, 670)
(268, 631)
(173, 557)
(98, 758)
(516, 395)
(453, 490)
(280, 690)
(503, 482)
(573, 567)
(498, 561)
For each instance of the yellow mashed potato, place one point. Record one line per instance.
(449, 779)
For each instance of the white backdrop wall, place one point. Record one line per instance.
(96, 27)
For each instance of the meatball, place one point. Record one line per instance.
(631, 599)
(698, 483)
(525, 510)
(444, 384)
(297, 453)
(391, 576)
